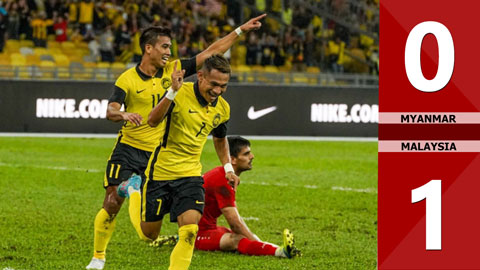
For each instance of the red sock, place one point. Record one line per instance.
(255, 248)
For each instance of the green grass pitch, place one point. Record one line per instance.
(324, 192)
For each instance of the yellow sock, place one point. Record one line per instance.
(134, 211)
(104, 225)
(182, 253)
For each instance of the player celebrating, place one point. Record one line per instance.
(140, 89)
(173, 181)
(220, 199)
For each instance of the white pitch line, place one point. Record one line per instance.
(57, 135)
(361, 190)
(50, 167)
(266, 184)
(251, 218)
(364, 190)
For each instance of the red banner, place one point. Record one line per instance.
(429, 135)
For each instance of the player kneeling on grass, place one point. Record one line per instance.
(220, 199)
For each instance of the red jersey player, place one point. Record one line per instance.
(220, 200)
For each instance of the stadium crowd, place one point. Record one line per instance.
(328, 35)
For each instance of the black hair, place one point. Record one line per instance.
(218, 62)
(236, 144)
(151, 34)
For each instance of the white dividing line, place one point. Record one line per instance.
(267, 184)
(56, 168)
(57, 135)
(251, 218)
(361, 190)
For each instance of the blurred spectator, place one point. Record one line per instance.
(122, 39)
(298, 56)
(72, 6)
(253, 49)
(268, 48)
(136, 49)
(279, 53)
(76, 36)
(309, 49)
(60, 28)
(336, 50)
(94, 48)
(106, 45)
(295, 34)
(85, 15)
(39, 25)
(25, 29)
(13, 20)
(287, 15)
(52, 6)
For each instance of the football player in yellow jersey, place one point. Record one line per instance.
(173, 182)
(140, 89)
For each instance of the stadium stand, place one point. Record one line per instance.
(306, 37)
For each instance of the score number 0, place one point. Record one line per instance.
(431, 191)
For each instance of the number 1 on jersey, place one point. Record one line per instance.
(155, 101)
(432, 192)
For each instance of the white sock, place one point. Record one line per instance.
(279, 252)
(131, 190)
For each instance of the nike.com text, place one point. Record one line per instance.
(339, 113)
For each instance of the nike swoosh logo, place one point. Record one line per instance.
(139, 91)
(190, 111)
(253, 115)
(197, 202)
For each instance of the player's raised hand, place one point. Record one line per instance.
(253, 24)
(177, 77)
(233, 180)
(133, 118)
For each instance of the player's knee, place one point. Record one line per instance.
(230, 241)
(149, 235)
(149, 232)
(112, 202)
(112, 205)
(189, 217)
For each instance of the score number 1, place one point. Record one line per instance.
(432, 192)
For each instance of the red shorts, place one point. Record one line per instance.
(210, 239)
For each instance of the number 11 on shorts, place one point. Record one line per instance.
(432, 193)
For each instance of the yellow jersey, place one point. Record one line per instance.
(188, 123)
(140, 93)
(86, 12)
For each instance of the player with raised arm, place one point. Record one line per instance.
(140, 89)
(220, 200)
(173, 182)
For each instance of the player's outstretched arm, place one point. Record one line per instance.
(114, 114)
(158, 113)
(223, 153)
(237, 224)
(222, 45)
